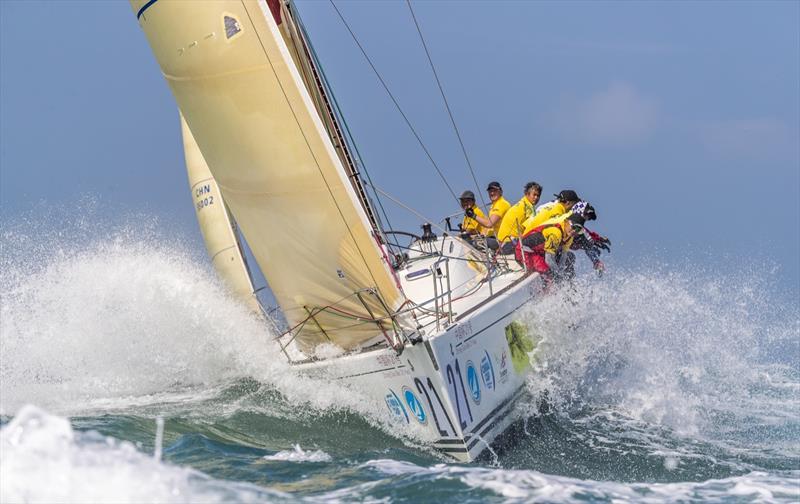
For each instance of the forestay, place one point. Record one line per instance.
(245, 102)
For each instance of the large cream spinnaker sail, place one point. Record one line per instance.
(216, 224)
(241, 94)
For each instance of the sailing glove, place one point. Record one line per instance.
(603, 243)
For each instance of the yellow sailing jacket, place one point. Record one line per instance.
(545, 215)
(470, 225)
(514, 219)
(499, 207)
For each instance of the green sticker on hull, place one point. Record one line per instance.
(519, 344)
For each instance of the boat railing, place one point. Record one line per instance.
(435, 312)
(394, 334)
(438, 305)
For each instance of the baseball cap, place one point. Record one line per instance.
(494, 185)
(467, 195)
(567, 195)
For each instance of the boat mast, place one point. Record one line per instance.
(296, 39)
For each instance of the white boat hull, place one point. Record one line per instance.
(459, 383)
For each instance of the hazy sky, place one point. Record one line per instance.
(679, 121)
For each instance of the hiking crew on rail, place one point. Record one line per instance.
(541, 238)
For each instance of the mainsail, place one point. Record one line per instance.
(216, 224)
(245, 101)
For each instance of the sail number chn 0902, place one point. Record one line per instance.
(203, 197)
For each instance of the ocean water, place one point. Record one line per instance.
(653, 384)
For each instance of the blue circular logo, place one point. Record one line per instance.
(414, 405)
(473, 382)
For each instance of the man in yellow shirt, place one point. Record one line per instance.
(498, 209)
(566, 199)
(513, 220)
(472, 212)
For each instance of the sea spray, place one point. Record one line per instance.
(122, 318)
(159, 442)
(626, 363)
(125, 318)
(678, 379)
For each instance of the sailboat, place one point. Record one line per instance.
(430, 329)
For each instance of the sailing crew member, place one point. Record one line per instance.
(498, 209)
(472, 212)
(541, 249)
(513, 221)
(589, 241)
(563, 203)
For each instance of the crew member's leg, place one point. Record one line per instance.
(507, 248)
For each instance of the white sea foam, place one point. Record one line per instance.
(43, 460)
(675, 349)
(132, 319)
(36, 447)
(112, 317)
(297, 454)
(122, 319)
(533, 486)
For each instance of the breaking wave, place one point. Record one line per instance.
(640, 360)
(670, 348)
(109, 317)
(37, 447)
(40, 447)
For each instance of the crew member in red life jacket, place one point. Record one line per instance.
(544, 249)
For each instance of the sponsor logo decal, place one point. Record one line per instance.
(487, 371)
(395, 406)
(473, 382)
(519, 345)
(503, 374)
(415, 405)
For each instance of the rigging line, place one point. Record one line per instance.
(398, 202)
(446, 104)
(396, 104)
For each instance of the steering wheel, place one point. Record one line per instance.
(403, 233)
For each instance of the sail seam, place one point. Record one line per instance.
(221, 251)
